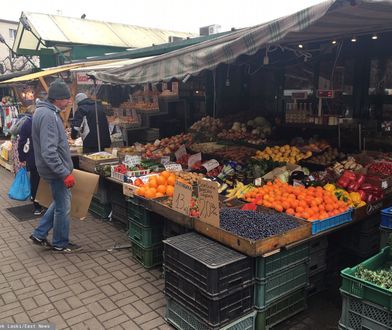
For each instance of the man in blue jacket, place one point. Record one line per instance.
(54, 165)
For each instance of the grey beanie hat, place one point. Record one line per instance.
(80, 97)
(58, 90)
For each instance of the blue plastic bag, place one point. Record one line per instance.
(20, 189)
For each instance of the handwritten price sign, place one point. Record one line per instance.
(208, 202)
(182, 197)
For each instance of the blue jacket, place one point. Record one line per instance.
(51, 150)
(24, 134)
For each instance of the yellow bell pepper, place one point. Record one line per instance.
(355, 197)
(360, 204)
(329, 187)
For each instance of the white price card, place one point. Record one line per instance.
(173, 167)
(194, 159)
(132, 160)
(165, 160)
(180, 152)
(210, 164)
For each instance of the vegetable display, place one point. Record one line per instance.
(380, 277)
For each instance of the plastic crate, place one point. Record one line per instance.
(140, 215)
(171, 229)
(360, 314)
(138, 173)
(213, 310)
(363, 246)
(321, 225)
(318, 262)
(363, 289)
(277, 286)
(148, 257)
(101, 210)
(267, 266)
(386, 218)
(281, 310)
(212, 267)
(101, 195)
(145, 237)
(119, 212)
(384, 237)
(317, 283)
(116, 175)
(184, 319)
(368, 225)
(318, 244)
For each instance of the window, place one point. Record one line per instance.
(12, 33)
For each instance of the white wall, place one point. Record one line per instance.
(5, 27)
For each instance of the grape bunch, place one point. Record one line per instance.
(255, 225)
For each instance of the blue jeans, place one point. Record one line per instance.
(57, 215)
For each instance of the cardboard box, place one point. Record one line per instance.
(89, 165)
(86, 184)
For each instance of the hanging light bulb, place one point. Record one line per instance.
(353, 39)
(300, 46)
(374, 36)
(334, 42)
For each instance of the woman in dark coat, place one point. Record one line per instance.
(26, 154)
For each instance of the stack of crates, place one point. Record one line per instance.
(281, 284)
(317, 265)
(99, 209)
(363, 239)
(145, 232)
(207, 285)
(385, 227)
(366, 305)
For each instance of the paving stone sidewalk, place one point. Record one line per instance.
(93, 289)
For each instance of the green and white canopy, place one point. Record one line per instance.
(325, 21)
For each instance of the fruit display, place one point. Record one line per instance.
(235, 153)
(100, 156)
(190, 177)
(164, 147)
(207, 147)
(158, 186)
(286, 154)
(237, 191)
(352, 198)
(255, 225)
(380, 277)
(326, 158)
(312, 203)
(209, 124)
(313, 144)
(349, 164)
(382, 167)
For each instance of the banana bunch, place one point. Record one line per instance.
(238, 191)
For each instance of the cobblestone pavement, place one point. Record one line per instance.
(92, 289)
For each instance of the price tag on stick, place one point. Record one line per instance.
(208, 202)
(180, 152)
(182, 197)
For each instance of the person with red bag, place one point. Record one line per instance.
(54, 165)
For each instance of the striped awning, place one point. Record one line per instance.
(327, 20)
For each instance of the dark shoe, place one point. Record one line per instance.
(38, 211)
(71, 247)
(40, 241)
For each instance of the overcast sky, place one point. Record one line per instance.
(179, 15)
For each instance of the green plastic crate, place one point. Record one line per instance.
(363, 289)
(101, 210)
(142, 216)
(184, 319)
(360, 314)
(281, 310)
(145, 237)
(278, 262)
(148, 257)
(275, 287)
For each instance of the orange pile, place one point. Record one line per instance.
(312, 203)
(158, 186)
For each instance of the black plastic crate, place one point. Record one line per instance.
(171, 229)
(215, 310)
(99, 209)
(119, 212)
(212, 267)
(385, 237)
(361, 245)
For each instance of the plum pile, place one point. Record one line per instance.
(255, 225)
